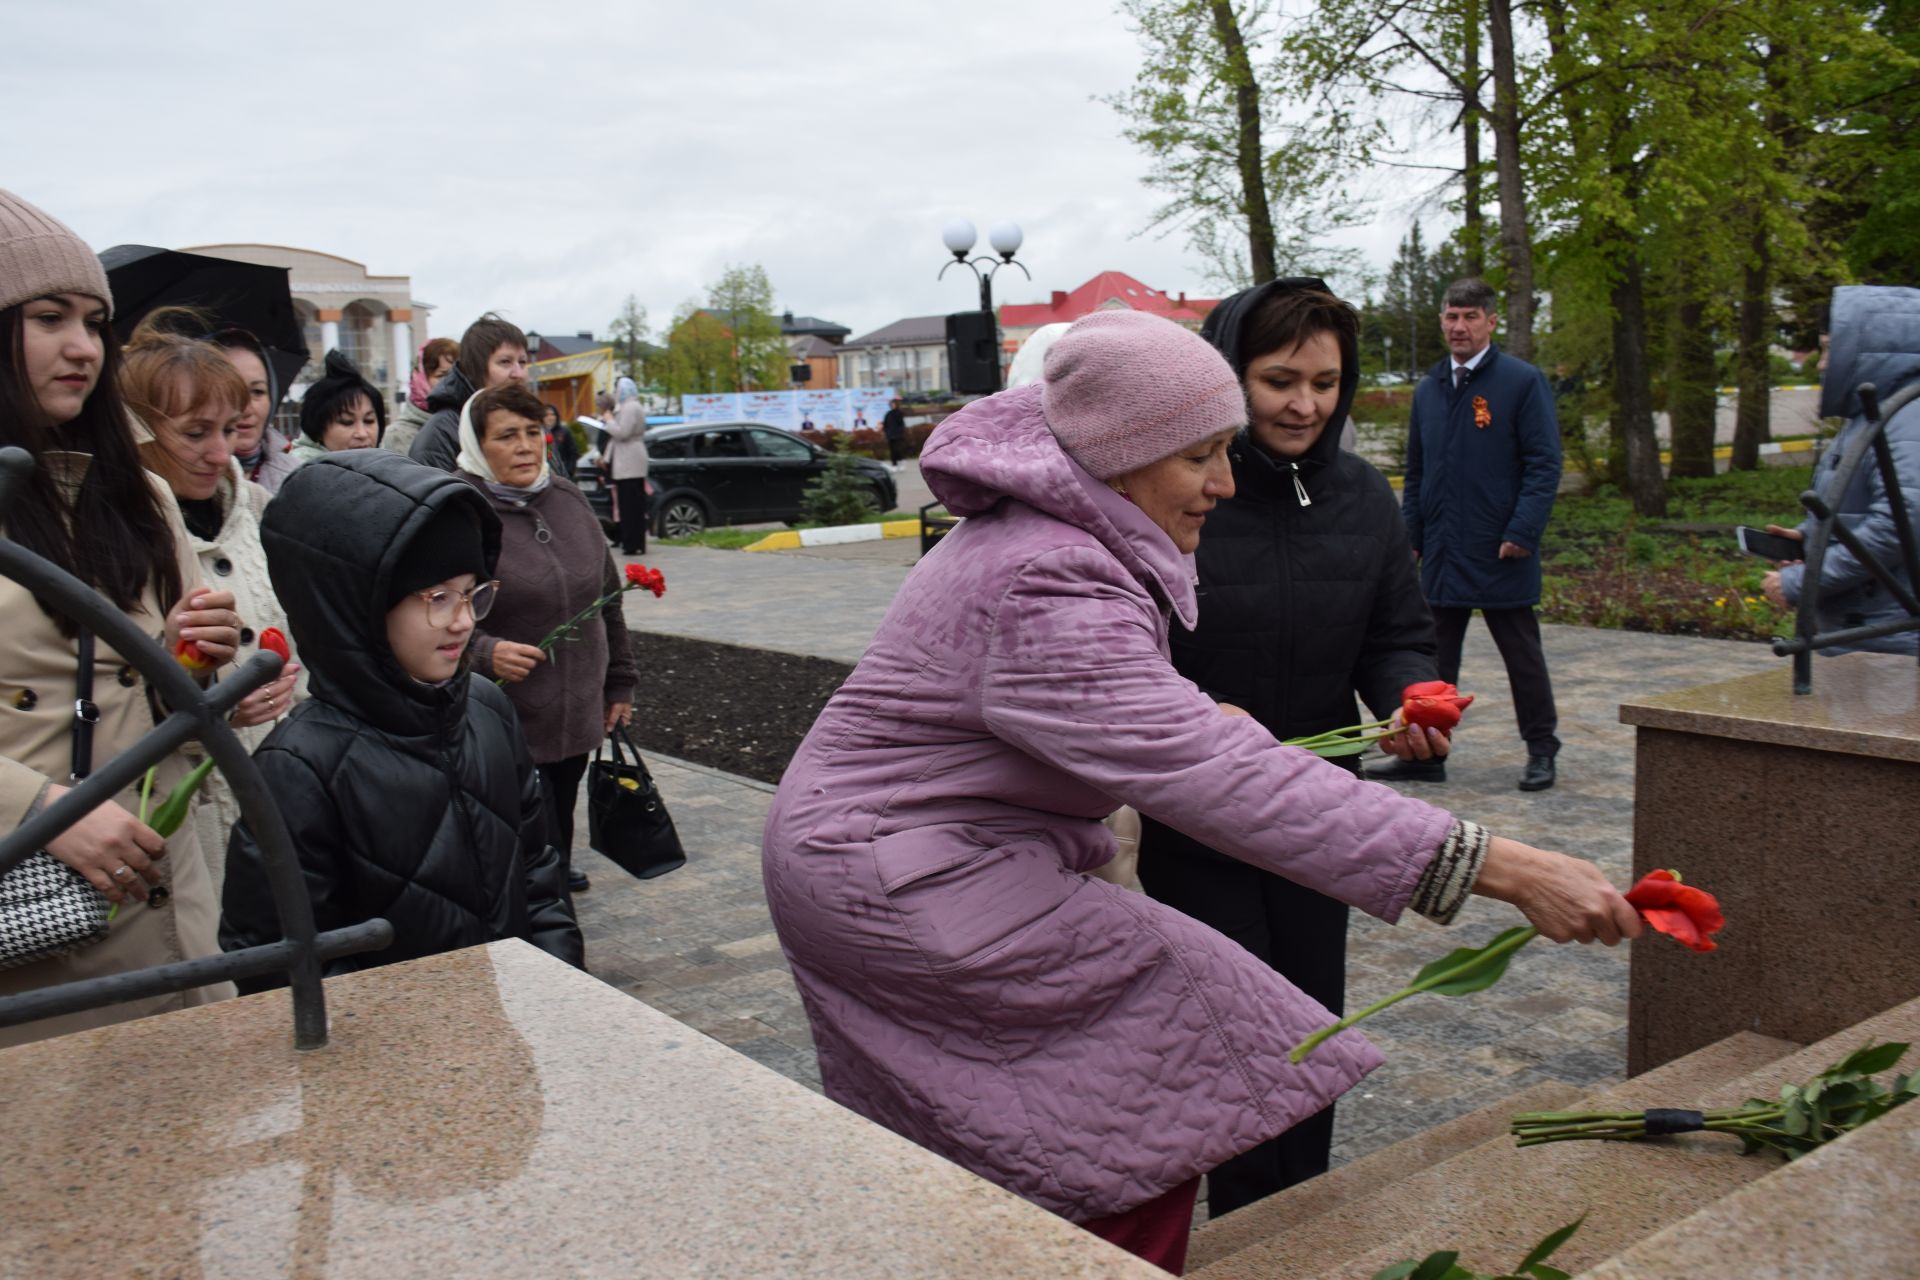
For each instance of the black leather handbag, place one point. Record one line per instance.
(627, 821)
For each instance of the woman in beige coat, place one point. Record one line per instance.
(190, 396)
(90, 507)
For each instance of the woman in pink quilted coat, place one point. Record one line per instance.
(969, 986)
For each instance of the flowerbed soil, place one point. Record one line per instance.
(727, 706)
(1684, 575)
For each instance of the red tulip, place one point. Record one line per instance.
(1680, 911)
(273, 642)
(1434, 704)
(187, 653)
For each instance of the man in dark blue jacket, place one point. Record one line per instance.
(1483, 465)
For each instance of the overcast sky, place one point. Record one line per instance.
(546, 160)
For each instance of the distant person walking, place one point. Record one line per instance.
(894, 428)
(562, 451)
(626, 464)
(1483, 465)
(492, 351)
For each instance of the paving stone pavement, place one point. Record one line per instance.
(698, 945)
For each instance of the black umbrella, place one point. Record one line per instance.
(240, 295)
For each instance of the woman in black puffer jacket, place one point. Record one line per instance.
(407, 799)
(1307, 596)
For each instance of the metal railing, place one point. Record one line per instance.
(195, 714)
(1823, 503)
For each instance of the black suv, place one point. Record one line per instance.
(713, 473)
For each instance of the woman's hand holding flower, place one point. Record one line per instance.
(1566, 899)
(514, 662)
(203, 631)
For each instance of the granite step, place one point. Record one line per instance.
(1473, 1201)
(1365, 1177)
(1832, 1215)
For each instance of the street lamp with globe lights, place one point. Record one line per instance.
(1005, 238)
(981, 336)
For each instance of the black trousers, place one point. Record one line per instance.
(896, 449)
(561, 783)
(633, 515)
(1517, 632)
(1299, 933)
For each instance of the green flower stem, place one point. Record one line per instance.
(565, 629)
(1338, 735)
(1314, 1041)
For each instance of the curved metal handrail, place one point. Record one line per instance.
(196, 714)
(1823, 503)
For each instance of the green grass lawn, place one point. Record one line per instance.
(1604, 566)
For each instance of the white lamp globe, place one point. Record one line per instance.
(1005, 238)
(958, 236)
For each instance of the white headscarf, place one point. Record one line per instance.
(474, 462)
(625, 390)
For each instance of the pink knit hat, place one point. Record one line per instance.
(39, 256)
(1124, 389)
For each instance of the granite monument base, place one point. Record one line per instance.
(1802, 815)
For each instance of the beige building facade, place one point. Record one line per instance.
(374, 320)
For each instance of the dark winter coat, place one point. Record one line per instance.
(1470, 487)
(413, 802)
(543, 582)
(1307, 589)
(1874, 337)
(894, 425)
(438, 444)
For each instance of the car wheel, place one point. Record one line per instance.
(682, 518)
(880, 502)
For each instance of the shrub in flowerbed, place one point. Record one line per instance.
(1604, 566)
(869, 442)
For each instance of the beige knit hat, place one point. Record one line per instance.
(39, 256)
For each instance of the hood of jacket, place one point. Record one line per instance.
(1001, 448)
(1225, 328)
(333, 537)
(452, 391)
(1873, 336)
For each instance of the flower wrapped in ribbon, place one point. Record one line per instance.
(1684, 913)
(1430, 704)
(1804, 1117)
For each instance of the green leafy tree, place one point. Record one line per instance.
(699, 359)
(1253, 193)
(742, 300)
(630, 345)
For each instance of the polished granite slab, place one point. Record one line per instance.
(1862, 704)
(490, 1112)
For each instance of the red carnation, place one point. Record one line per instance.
(1680, 911)
(1434, 704)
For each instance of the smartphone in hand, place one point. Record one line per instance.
(1768, 546)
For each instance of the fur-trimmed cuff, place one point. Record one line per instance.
(1449, 878)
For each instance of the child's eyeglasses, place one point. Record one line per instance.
(443, 606)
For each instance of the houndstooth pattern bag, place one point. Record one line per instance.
(46, 907)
